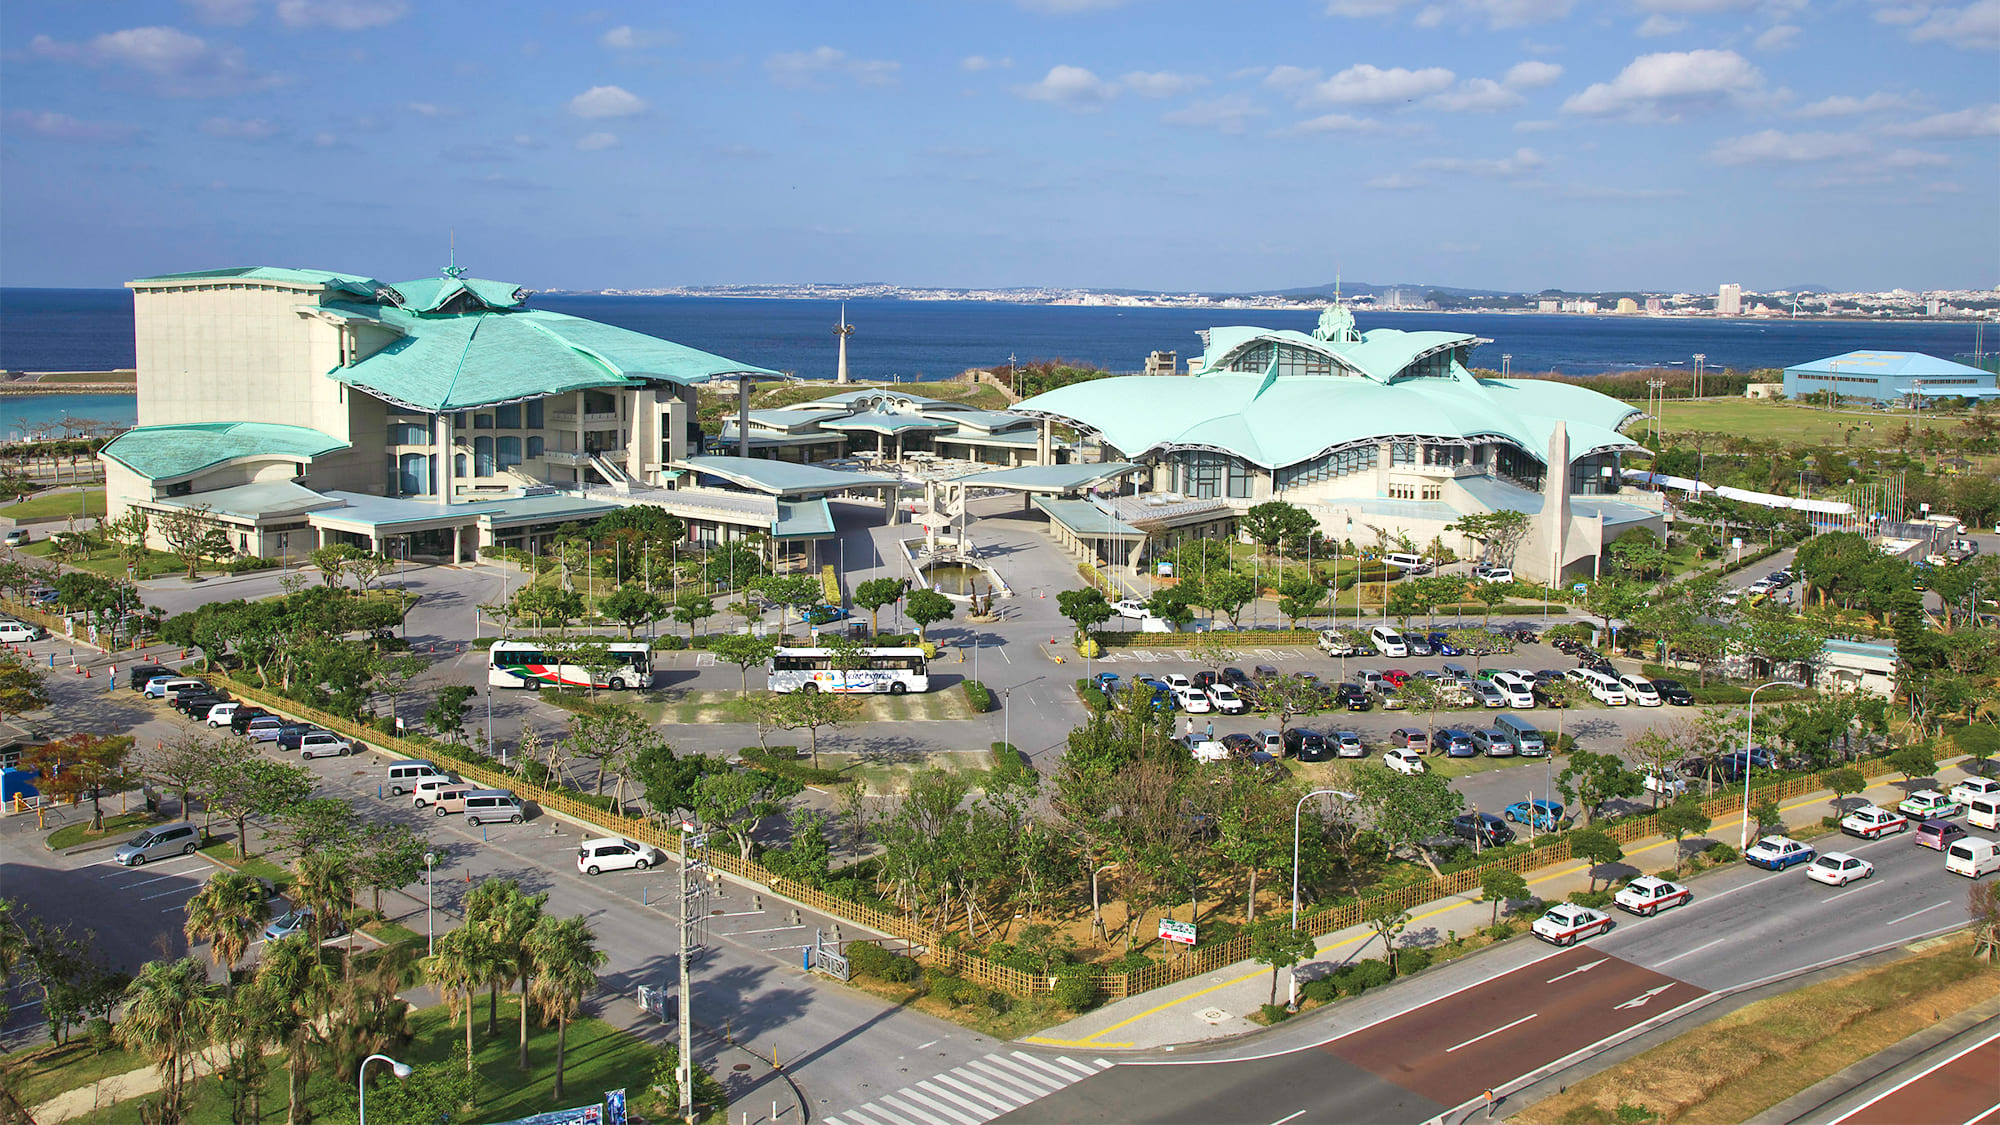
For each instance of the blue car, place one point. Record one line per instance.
(1163, 696)
(823, 614)
(1455, 743)
(1545, 815)
(1107, 682)
(299, 921)
(1443, 647)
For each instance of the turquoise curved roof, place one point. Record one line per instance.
(166, 452)
(456, 361)
(1275, 422)
(429, 294)
(1379, 354)
(886, 422)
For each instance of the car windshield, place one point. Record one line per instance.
(142, 839)
(291, 920)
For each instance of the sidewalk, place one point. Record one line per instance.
(1216, 1006)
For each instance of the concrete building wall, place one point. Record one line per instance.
(237, 351)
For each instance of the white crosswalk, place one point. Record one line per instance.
(977, 1092)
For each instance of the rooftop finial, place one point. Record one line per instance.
(452, 268)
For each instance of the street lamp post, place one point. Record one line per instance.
(1297, 811)
(399, 1069)
(1748, 723)
(430, 933)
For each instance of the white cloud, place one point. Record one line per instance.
(1657, 84)
(1777, 38)
(1161, 83)
(1902, 14)
(593, 142)
(432, 109)
(1072, 86)
(179, 65)
(1697, 5)
(61, 126)
(240, 129)
(1475, 95)
(625, 37)
(1943, 187)
(1976, 121)
(324, 139)
(1975, 25)
(1364, 84)
(234, 13)
(1524, 161)
(606, 101)
(1915, 158)
(1230, 113)
(341, 15)
(1578, 191)
(811, 69)
(1842, 105)
(974, 64)
(1496, 14)
(1363, 9)
(1517, 13)
(1658, 25)
(1532, 75)
(1397, 182)
(1774, 147)
(1337, 123)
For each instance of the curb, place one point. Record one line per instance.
(1862, 1078)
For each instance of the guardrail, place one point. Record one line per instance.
(1320, 921)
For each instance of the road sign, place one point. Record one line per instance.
(698, 840)
(1581, 588)
(1182, 932)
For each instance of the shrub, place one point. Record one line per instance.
(784, 762)
(1008, 764)
(1596, 900)
(1720, 853)
(1275, 1013)
(99, 1033)
(1414, 960)
(245, 564)
(1131, 962)
(1076, 989)
(1325, 990)
(670, 642)
(1092, 698)
(977, 695)
(1361, 976)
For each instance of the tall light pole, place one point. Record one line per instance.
(1748, 723)
(1298, 810)
(430, 933)
(399, 1069)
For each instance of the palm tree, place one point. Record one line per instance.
(462, 962)
(507, 916)
(293, 973)
(566, 963)
(252, 1018)
(325, 883)
(168, 1007)
(227, 913)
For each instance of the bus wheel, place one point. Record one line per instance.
(618, 684)
(898, 688)
(809, 687)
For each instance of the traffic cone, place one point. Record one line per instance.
(86, 673)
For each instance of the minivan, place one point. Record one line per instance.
(140, 674)
(1388, 641)
(1527, 739)
(1404, 561)
(1983, 812)
(1458, 674)
(179, 838)
(450, 797)
(1640, 690)
(426, 789)
(18, 632)
(403, 776)
(1603, 688)
(485, 805)
(171, 687)
(1972, 857)
(1520, 693)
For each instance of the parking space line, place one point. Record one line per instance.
(149, 882)
(177, 891)
(772, 930)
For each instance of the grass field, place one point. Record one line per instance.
(1789, 422)
(79, 833)
(47, 1070)
(54, 506)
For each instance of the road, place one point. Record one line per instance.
(1963, 1086)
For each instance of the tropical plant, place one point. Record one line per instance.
(168, 1007)
(461, 961)
(508, 918)
(566, 960)
(227, 912)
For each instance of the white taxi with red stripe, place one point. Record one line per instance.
(1566, 923)
(1648, 895)
(1871, 822)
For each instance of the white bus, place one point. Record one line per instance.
(891, 670)
(526, 664)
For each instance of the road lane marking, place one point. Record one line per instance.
(150, 882)
(1495, 1031)
(1578, 969)
(772, 930)
(1914, 913)
(1689, 953)
(977, 1094)
(919, 1112)
(926, 1046)
(1925, 1073)
(929, 1087)
(1045, 1065)
(1288, 1117)
(1019, 1075)
(1080, 1068)
(1864, 886)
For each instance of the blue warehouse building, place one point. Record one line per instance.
(1890, 377)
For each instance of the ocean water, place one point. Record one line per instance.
(91, 329)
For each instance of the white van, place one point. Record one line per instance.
(1983, 812)
(403, 776)
(484, 806)
(17, 632)
(1604, 689)
(1520, 693)
(1640, 690)
(426, 789)
(1972, 857)
(1388, 641)
(1405, 561)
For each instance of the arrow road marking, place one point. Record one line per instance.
(1639, 1001)
(1578, 969)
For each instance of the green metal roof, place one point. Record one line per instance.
(1086, 520)
(1047, 478)
(166, 452)
(886, 422)
(350, 282)
(453, 362)
(429, 294)
(806, 519)
(1379, 354)
(781, 478)
(268, 499)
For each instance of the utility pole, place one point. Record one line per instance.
(694, 853)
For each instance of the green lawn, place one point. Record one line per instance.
(110, 564)
(47, 1070)
(1790, 422)
(686, 707)
(599, 1058)
(225, 853)
(79, 833)
(55, 505)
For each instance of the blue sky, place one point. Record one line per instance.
(1154, 144)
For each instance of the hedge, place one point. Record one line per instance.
(978, 696)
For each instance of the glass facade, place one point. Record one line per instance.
(482, 457)
(507, 451)
(1518, 467)
(534, 411)
(1357, 460)
(1291, 359)
(534, 448)
(1587, 476)
(409, 433)
(507, 417)
(1208, 476)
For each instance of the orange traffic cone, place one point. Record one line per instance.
(86, 673)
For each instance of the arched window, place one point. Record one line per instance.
(482, 457)
(508, 450)
(458, 464)
(413, 475)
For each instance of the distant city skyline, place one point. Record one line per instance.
(1157, 145)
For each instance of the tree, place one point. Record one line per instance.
(742, 650)
(461, 961)
(1765, 813)
(127, 533)
(324, 879)
(877, 593)
(1498, 885)
(549, 601)
(447, 712)
(1497, 533)
(1275, 521)
(1590, 779)
(692, 609)
(1301, 596)
(1407, 811)
(367, 568)
(927, 608)
(508, 918)
(331, 561)
(1226, 592)
(167, 1011)
(291, 972)
(813, 711)
(1290, 695)
(186, 532)
(21, 688)
(252, 786)
(183, 764)
(1173, 605)
(1914, 761)
(1612, 599)
(1845, 782)
(1682, 818)
(668, 780)
(606, 735)
(1085, 608)
(793, 593)
(632, 607)
(228, 912)
(435, 1093)
(566, 960)
(1596, 848)
(1275, 942)
(735, 802)
(1490, 595)
(81, 765)
(1387, 920)
(388, 856)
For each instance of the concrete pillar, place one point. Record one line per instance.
(457, 545)
(443, 484)
(677, 418)
(642, 443)
(1555, 501)
(1044, 443)
(743, 416)
(1383, 452)
(582, 448)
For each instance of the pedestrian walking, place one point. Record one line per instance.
(1190, 728)
(1211, 730)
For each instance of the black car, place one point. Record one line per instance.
(1205, 679)
(1674, 692)
(239, 719)
(196, 706)
(1306, 745)
(138, 674)
(1236, 678)
(1482, 828)
(1353, 697)
(1544, 698)
(290, 733)
(1239, 745)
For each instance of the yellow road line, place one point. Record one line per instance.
(1092, 1040)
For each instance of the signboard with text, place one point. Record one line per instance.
(1182, 932)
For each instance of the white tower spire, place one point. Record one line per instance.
(841, 332)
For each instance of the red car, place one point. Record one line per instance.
(1396, 676)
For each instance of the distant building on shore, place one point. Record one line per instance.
(1729, 301)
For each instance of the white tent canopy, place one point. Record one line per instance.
(1761, 499)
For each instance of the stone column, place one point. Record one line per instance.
(443, 482)
(743, 415)
(677, 416)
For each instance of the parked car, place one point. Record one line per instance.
(1482, 828)
(20, 632)
(239, 720)
(1567, 923)
(1410, 738)
(323, 744)
(1648, 895)
(1306, 745)
(179, 838)
(1348, 744)
(1545, 815)
(1455, 743)
(218, 715)
(1224, 699)
(1442, 646)
(615, 853)
(1418, 645)
(1966, 790)
(1778, 853)
(1872, 823)
(1487, 695)
(1353, 697)
(1235, 678)
(1837, 869)
(1674, 692)
(1403, 761)
(1193, 700)
(16, 536)
(1492, 743)
(264, 728)
(1392, 700)
(1666, 783)
(1132, 608)
(1929, 804)
(299, 921)
(1493, 574)
(293, 734)
(1640, 690)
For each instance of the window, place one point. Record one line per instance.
(1206, 476)
(534, 448)
(598, 402)
(1433, 491)
(482, 457)
(409, 433)
(508, 451)
(1517, 466)
(1587, 475)
(1327, 467)
(1403, 453)
(534, 412)
(1402, 490)
(413, 474)
(507, 417)
(1291, 359)
(1444, 455)
(458, 464)
(482, 421)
